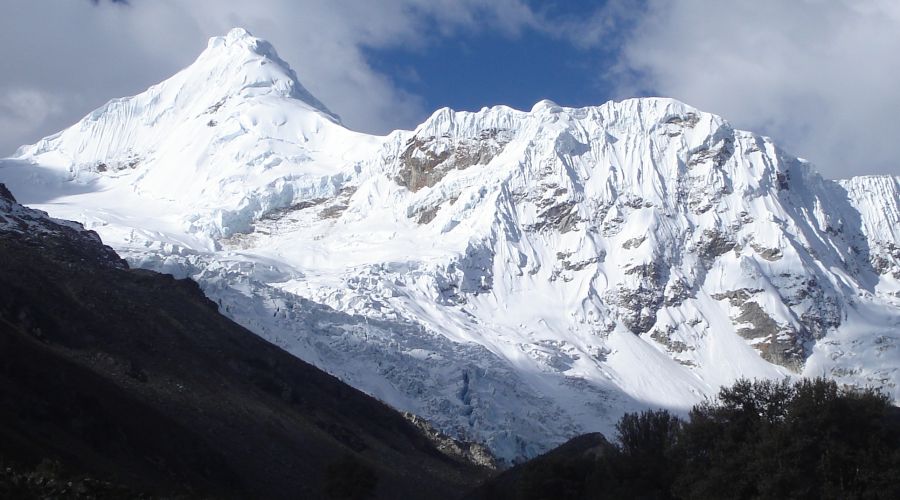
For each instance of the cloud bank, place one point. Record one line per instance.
(59, 60)
(820, 76)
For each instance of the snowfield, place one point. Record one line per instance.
(514, 277)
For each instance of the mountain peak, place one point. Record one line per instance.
(230, 88)
(241, 42)
(256, 65)
(239, 33)
(545, 105)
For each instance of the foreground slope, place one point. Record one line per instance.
(514, 277)
(134, 377)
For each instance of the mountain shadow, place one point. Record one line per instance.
(133, 377)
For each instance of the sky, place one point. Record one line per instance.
(822, 77)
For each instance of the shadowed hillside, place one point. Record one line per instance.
(134, 377)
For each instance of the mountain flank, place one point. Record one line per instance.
(133, 377)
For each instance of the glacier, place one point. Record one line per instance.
(514, 277)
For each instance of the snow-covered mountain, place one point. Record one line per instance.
(514, 277)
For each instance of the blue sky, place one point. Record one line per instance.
(488, 69)
(819, 76)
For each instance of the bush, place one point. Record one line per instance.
(643, 467)
(775, 440)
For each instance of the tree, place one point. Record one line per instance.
(645, 467)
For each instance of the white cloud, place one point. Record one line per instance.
(22, 110)
(83, 54)
(820, 76)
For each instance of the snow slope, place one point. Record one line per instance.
(514, 277)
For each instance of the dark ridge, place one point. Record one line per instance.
(5, 194)
(133, 378)
(559, 473)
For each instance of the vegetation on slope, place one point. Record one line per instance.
(760, 439)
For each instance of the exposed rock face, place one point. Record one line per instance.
(561, 218)
(426, 160)
(469, 452)
(53, 236)
(5, 195)
(777, 343)
(714, 244)
(770, 254)
(640, 297)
